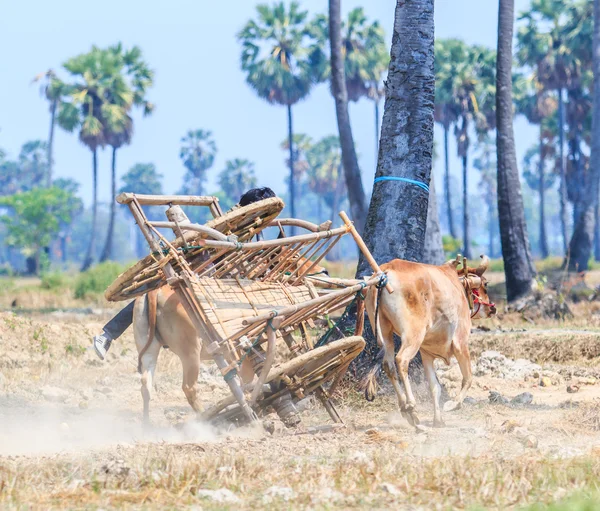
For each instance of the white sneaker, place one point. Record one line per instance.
(101, 344)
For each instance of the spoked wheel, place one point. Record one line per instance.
(146, 275)
(299, 376)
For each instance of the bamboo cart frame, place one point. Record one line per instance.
(234, 290)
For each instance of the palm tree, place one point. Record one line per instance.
(33, 163)
(538, 106)
(82, 109)
(325, 173)
(52, 88)
(485, 163)
(131, 78)
(237, 177)
(541, 46)
(583, 28)
(534, 172)
(449, 56)
(276, 51)
(433, 247)
(142, 178)
(198, 151)
(356, 193)
(395, 226)
(518, 265)
(365, 54)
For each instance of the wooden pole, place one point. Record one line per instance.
(363, 248)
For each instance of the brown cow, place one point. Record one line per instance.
(159, 319)
(430, 311)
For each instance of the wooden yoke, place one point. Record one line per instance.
(363, 248)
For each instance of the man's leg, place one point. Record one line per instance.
(113, 330)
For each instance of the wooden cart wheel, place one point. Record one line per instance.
(301, 376)
(243, 222)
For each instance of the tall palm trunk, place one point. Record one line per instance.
(356, 192)
(433, 251)
(108, 244)
(335, 208)
(376, 101)
(491, 229)
(562, 189)
(447, 183)
(581, 242)
(466, 231)
(51, 141)
(542, 191)
(597, 232)
(292, 177)
(518, 265)
(395, 226)
(89, 257)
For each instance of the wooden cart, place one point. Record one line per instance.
(244, 295)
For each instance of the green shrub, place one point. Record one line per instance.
(6, 270)
(95, 280)
(451, 246)
(54, 280)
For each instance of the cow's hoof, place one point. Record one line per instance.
(439, 423)
(450, 406)
(408, 416)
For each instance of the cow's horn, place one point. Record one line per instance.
(483, 265)
(474, 282)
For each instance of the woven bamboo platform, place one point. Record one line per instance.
(242, 222)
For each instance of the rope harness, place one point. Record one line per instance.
(477, 301)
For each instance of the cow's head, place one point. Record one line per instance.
(483, 307)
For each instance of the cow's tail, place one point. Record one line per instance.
(152, 298)
(369, 382)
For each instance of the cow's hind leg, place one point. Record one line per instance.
(386, 334)
(434, 388)
(411, 342)
(190, 386)
(461, 352)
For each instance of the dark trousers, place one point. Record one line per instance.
(117, 325)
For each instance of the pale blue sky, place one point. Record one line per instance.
(194, 51)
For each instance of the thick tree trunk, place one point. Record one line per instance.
(466, 231)
(292, 177)
(107, 250)
(395, 226)
(597, 232)
(583, 233)
(376, 101)
(51, 142)
(447, 184)
(335, 209)
(491, 229)
(542, 191)
(89, 257)
(356, 192)
(518, 265)
(433, 251)
(562, 189)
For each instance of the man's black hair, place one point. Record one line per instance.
(255, 195)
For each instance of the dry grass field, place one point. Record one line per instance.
(71, 434)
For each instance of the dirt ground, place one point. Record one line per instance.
(71, 434)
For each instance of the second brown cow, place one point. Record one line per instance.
(430, 310)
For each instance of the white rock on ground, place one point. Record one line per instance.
(54, 394)
(493, 363)
(278, 492)
(222, 495)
